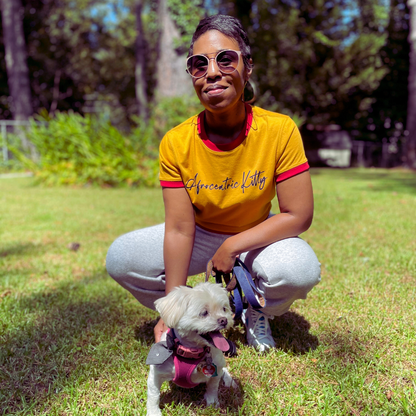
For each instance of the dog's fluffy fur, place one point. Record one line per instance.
(192, 312)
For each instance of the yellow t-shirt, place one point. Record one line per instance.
(231, 187)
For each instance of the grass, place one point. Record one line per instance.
(72, 342)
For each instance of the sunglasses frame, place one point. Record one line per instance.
(239, 53)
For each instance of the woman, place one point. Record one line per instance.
(219, 171)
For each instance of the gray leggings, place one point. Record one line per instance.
(285, 271)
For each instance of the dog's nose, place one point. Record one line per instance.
(222, 321)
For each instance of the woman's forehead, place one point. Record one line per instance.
(214, 41)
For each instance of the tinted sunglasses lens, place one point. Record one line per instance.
(227, 61)
(197, 65)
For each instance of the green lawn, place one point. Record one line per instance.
(72, 342)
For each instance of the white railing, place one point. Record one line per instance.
(3, 130)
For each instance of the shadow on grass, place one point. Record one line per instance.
(291, 333)
(230, 398)
(24, 249)
(144, 332)
(66, 334)
(62, 335)
(195, 396)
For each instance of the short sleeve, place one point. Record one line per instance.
(291, 158)
(169, 173)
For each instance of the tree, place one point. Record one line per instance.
(410, 146)
(382, 116)
(172, 80)
(17, 68)
(140, 69)
(16, 59)
(310, 60)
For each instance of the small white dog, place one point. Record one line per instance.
(191, 352)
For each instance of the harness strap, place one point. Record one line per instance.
(240, 285)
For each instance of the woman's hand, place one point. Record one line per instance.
(224, 259)
(159, 329)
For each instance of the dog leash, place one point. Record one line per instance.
(240, 285)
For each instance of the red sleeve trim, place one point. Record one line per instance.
(292, 172)
(171, 184)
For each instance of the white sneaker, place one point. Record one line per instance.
(259, 334)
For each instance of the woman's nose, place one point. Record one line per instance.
(213, 70)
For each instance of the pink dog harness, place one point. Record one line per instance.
(183, 371)
(187, 359)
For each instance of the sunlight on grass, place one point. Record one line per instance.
(73, 342)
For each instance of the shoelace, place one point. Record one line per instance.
(260, 326)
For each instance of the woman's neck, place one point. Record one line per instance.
(223, 128)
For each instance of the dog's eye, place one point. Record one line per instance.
(224, 309)
(204, 314)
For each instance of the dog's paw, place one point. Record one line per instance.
(212, 400)
(228, 380)
(154, 412)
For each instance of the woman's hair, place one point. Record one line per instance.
(229, 26)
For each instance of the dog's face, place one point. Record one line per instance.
(202, 309)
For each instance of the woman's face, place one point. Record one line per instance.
(219, 92)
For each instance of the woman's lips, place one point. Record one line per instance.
(215, 90)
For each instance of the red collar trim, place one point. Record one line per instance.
(229, 146)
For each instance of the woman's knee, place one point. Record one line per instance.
(138, 252)
(117, 259)
(288, 265)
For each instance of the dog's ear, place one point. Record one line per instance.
(173, 306)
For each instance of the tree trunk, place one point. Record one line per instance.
(140, 74)
(172, 79)
(410, 144)
(16, 64)
(243, 9)
(16, 59)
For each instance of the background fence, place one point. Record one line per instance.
(6, 127)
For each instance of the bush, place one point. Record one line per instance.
(80, 150)
(77, 150)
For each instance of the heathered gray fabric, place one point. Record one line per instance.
(285, 271)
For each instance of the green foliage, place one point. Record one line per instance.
(12, 164)
(329, 62)
(385, 118)
(77, 150)
(172, 111)
(186, 15)
(309, 59)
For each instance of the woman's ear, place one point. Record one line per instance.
(249, 70)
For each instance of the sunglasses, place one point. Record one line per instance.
(227, 62)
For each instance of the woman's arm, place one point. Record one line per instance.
(179, 236)
(178, 242)
(295, 198)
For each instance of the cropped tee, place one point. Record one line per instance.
(231, 186)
